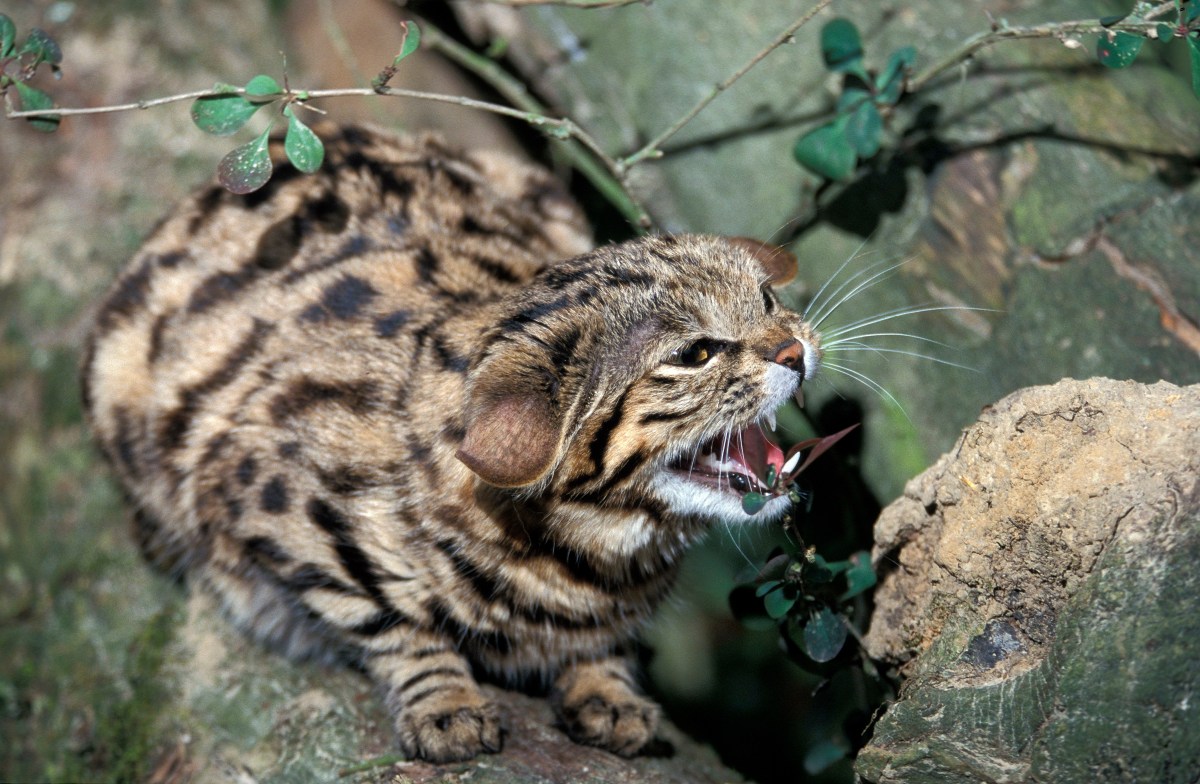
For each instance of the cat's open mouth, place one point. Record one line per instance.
(735, 462)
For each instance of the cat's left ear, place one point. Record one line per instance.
(779, 263)
(513, 434)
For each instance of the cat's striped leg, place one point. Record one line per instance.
(600, 705)
(441, 715)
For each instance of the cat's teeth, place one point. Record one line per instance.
(799, 396)
(771, 423)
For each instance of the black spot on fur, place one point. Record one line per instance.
(262, 548)
(246, 471)
(427, 265)
(288, 449)
(387, 326)
(220, 287)
(328, 213)
(274, 497)
(495, 269)
(348, 296)
(278, 244)
(344, 480)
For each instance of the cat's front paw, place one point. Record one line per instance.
(450, 725)
(598, 707)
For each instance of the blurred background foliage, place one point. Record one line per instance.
(1035, 183)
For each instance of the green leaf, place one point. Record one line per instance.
(410, 40)
(43, 48)
(1119, 52)
(246, 168)
(826, 152)
(8, 35)
(752, 502)
(262, 89)
(841, 46)
(767, 587)
(222, 115)
(304, 149)
(860, 576)
(32, 100)
(778, 603)
(1165, 32)
(1109, 21)
(1194, 49)
(824, 635)
(864, 131)
(823, 754)
(1193, 12)
(889, 84)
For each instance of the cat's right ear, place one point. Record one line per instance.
(779, 263)
(513, 434)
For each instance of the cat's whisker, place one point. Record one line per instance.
(900, 313)
(916, 354)
(868, 382)
(857, 339)
(815, 302)
(862, 286)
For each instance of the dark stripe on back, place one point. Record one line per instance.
(358, 397)
(354, 560)
(176, 424)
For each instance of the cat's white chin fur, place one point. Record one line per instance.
(691, 499)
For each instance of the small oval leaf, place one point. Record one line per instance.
(864, 131)
(33, 100)
(824, 754)
(8, 35)
(752, 502)
(262, 89)
(222, 115)
(777, 603)
(246, 168)
(767, 587)
(826, 152)
(889, 85)
(824, 635)
(859, 577)
(303, 147)
(841, 46)
(43, 48)
(1120, 51)
(1165, 32)
(410, 40)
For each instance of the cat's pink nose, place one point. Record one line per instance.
(790, 353)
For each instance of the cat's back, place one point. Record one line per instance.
(240, 311)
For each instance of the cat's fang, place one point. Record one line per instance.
(798, 396)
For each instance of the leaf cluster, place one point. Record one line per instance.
(228, 108)
(833, 149)
(1119, 48)
(18, 64)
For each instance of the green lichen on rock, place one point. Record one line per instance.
(1047, 591)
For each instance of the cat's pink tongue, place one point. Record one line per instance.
(752, 449)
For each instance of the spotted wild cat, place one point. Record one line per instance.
(401, 411)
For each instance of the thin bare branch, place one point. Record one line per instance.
(1057, 30)
(651, 149)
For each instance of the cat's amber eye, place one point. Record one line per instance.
(695, 354)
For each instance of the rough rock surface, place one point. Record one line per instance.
(1039, 595)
